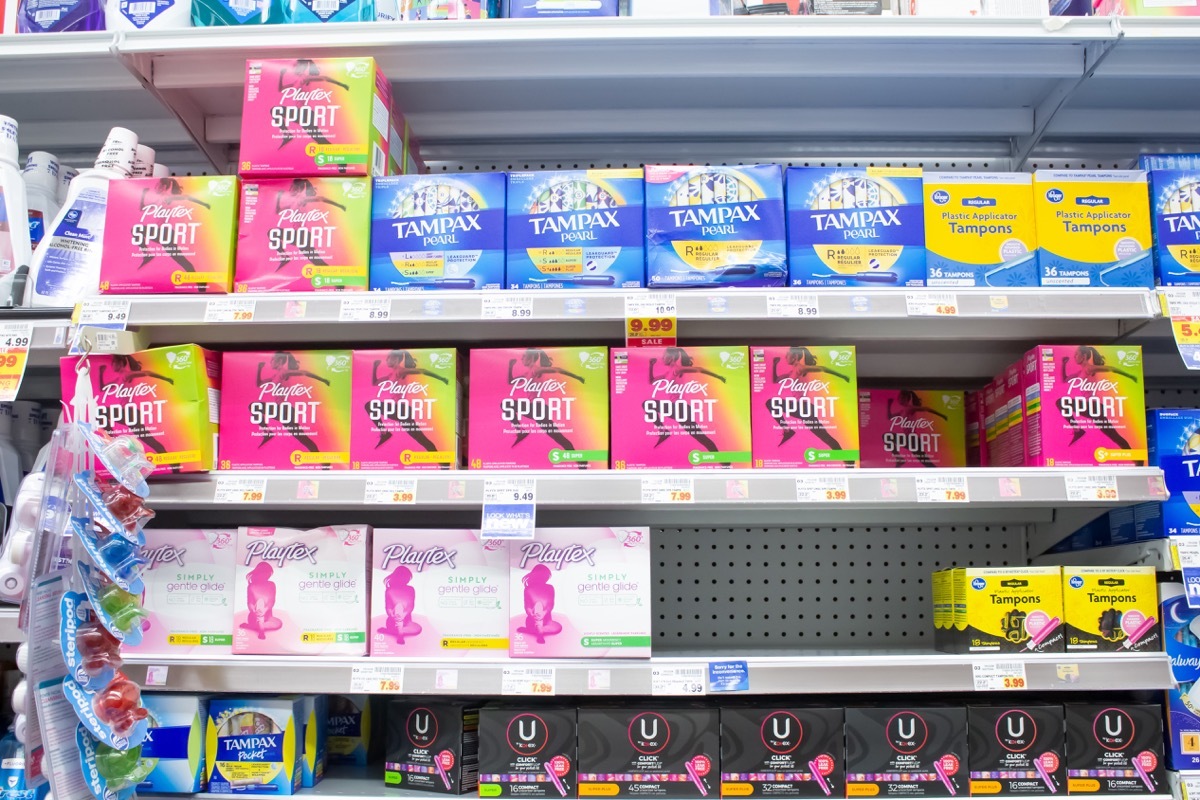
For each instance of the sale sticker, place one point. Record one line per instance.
(651, 320)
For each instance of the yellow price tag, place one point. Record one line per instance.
(1187, 340)
(15, 340)
(650, 331)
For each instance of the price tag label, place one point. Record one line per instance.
(671, 489)
(377, 678)
(942, 489)
(1187, 339)
(1182, 302)
(786, 304)
(388, 491)
(527, 681)
(238, 489)
(931, 304)
(230, 309)
(1191, 786)
(446, 680)
(365, 309)
(651, 320)
(509, 508)
(1186, 552)
(103, 312)
(685, 679)
(1092, 488)
(999, 676)
(507, 306)
(822, 489)
(156, 675)
(15, 340)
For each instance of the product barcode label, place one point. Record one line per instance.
(1092, 488)
(786, 304)
(507, 306)
(509, 508)
(931, 304)
(527, 681)
(668, 490)
(999, 676)
(390, 491)
(822, 489)
(229, 309)
(651, 304)
(324, 7)
(104, 312)
(47, 15)
(687, 679)
(1182, 302)
(240, 489)
(942, 489)
(377, 678)
(365, 309)
(139, 9)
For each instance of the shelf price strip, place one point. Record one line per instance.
(230, 309)
(668, 490)
(793, 306)
(942, 489)
(365, 309)
(111, 313)
(15, 340)
(1183, 307)
(377, 678)
(685, 679)
(527, 681)
(999, 676)
(240, 489)
(506, 306)
(1092, 488)
(390, 491)
(1187, 556)
(651, 320)
(931, 304)
(509, 508)
(822, 489)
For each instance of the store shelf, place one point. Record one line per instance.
(9, 632)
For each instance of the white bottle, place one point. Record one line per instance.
(41, 192)
(66, 267)
(161, 171)
(10, 458)
(15, 251)
(141, 15)
(65, 176)
(143, 161)
(50, 415)
(26, 433)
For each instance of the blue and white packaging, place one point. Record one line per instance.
(333, 10)
(175, 743)
(576, 229)
(1173, 444)
(551, 9)
(314, 723)
(433, 232)
(253, 745)
(715, 226)
(1153, 161)
(1181, 631)
(856, 226)
(1175, 204)
(354, 735)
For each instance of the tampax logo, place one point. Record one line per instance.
(907, 732)
(1016, 731)
(649, 733)
(781, 732)
(1113, 729)
(526, 734)
(421, 727)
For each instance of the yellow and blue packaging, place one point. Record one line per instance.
(175, 743)
(1181, 630)
(1111, 610)
(979, 229)
(315, 719)
(1175, 201)
(1093, 228)
(355, 735)
(254, 745)
(715, 226)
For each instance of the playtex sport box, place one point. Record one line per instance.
(667, 752)
(304, 235)
(175, 745)
(405, 409)
(1111, 610)
(906, 428)
(856, 227)
(681, 408)
(527, 752)
(1017, 749)
(286, 410)
(906, 752)
(1175, 203)
(715, 226)
(433, 232)
(302, 592)
(1115, 749)
(170, 235)
(804, 406)
(432, 747)
(782, 752)
(538, 408)
(167, 398)
(576, 229)
(314, 116)
(254, 745)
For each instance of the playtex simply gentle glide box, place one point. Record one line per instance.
(1111, 610)
(189, 596)
(1085, 405)
(302, 592)
(253, 745)
(1017, 749)
(314, 116)
(304, 235)
(782, 752)
(527, 752)
(1115, 749)
(286, 410)
(438, 232)
(167, 398)
(1093, 228)
(804, 406)
(432, 747)
(979, 229)
(1175, 203)
(438, 594)
(404, 409)
(856, 227)
(538, 408)
(665, 752)
(715, 226)
(175, 744)
(681, 408)
(906, 752)
(907, 428)
(576, 229)
(170, 235)
(580, 593)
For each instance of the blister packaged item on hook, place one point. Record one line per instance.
(110, 774)
(115, 556)
(120, 611)
(123, 456)
(115, 507)
(92, 655)
(114, 715)
(15, 555)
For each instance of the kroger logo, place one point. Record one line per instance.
(1076, 582)
(978, 583)
(941, 197)
(1054, 195)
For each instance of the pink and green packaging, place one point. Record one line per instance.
(167, 398)
(404, 409)
(315, 116)
(538, 408)
(1085, 405)
(907, 428)
(681, 408)
(304, 235)
(438, 594)
(301, 592)
(804, 406)
(189, 595)
(580, 593)
(286, 410)
(170, 235)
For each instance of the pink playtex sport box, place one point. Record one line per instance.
(538, 408)
(404, 411)
(438, 594)
(580, 593)
(681, 408)
(804, 406)
(304, 235)
(315, 116)
(1085, 405)
(286, 410)
(302, 592)
(170, 235)
(906, 428)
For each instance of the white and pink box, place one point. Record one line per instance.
(580, 593)
(438, 594)
(302, 592)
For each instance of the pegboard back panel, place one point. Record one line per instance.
(1173, 396)
(811, 588)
